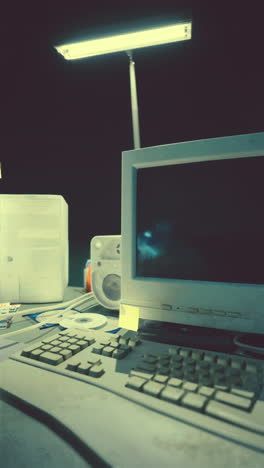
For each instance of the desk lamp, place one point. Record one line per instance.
(127, 43)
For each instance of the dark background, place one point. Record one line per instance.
(65, 123)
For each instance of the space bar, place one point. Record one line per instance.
(253, 421)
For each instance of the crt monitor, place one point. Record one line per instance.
(193, 233)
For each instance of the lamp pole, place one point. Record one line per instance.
(134, 101)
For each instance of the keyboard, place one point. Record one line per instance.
(214, 391)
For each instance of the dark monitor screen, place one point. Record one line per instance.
(202, 221)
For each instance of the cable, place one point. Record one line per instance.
(73, 303)
(247, 347)
(61, 305)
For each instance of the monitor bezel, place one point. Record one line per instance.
(227, 306)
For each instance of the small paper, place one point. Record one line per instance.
(128, 317)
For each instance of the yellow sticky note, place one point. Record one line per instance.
(128, 317)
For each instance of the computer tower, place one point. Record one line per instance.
(34, 258)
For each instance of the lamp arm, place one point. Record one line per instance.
(134, 101)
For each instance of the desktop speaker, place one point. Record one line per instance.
(106, 270)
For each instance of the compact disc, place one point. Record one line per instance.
(83, 321)
(56, 317)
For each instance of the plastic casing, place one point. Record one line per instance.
(229, 306)
(34, 260)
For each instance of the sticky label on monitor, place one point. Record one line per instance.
(128, 317)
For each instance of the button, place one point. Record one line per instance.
(66, 353)
(46, 347)
(150, 358)
(55, 343)
(232, 399)
(83, 368)
(82, 343)
(72, 340)
(172, 394)
(190, 386)
(153, 388)
(28, 350)
(36, 353)
(135, 382)
(121, 353)
(74, 348)
(97, 349)
(161, 378)
(251, 421)
(206, 391)
(73, 364)
(94, 360)
(96, 370)
(141, 374)
(51, 358)
(107, 351)
(194, 401)
(166, 306)
(243, 393)
(185, 352)
(174, 382)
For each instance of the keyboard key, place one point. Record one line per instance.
(46, 347)
(107, 351)
(55, 343)
(63, 338)
(172, 394)
(209, 358)
(96, 370)
(66, 353)
(97, 348)
(82, 343)
(74, 348)
(197, 355)
(224, 361)
(145, 366)
(28, 350)
(36, 353)
(252, 421)
(55, 349)
(243, 393)
(153, 359)
(190, 386)
(206, 391)
(141, 374)
(135, 382)
(105, 341)
(73, 364)
(232, 399)
(174, 382)
(51, 358)
(185, 352)
(72, 340)
(120, 354)
(194, 401)
(94, 360)
(153, 388)
(64, 345)
(161, 378)
(83, 368)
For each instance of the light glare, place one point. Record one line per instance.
(125, 42)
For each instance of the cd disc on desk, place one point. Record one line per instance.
(83, 321)
(56, 317)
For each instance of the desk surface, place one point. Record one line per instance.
(124, 434)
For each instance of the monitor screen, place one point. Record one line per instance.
(202, 221)
(192, 232)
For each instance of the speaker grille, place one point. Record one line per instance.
(112, 287)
